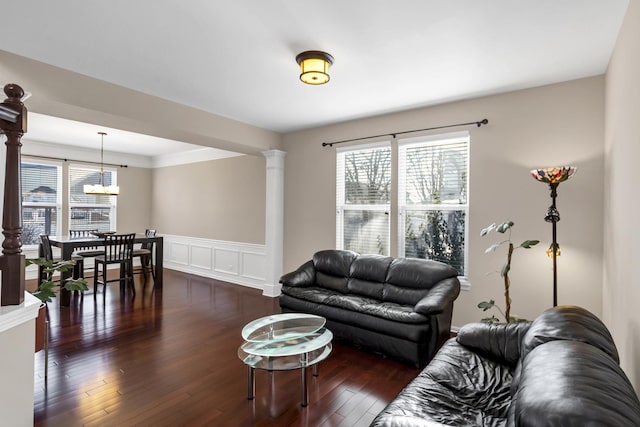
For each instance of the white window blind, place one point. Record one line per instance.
(433, 198)
(41, 200)
(91, 211)
(362, 199)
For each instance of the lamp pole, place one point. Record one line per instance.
(553, 176)
(553, 216)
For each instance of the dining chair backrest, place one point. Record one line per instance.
(74, 234)
(82, 233)
(118, 246)
(47, 252)
(148, 233)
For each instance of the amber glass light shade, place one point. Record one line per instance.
(550, 250)
(314, 67)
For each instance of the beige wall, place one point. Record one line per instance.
(219, 199)
(621, 291)
(133, 213)
(546, 126)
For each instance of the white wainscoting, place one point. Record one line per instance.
(239, 263)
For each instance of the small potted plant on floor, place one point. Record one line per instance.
(503, 228)
(47, 289)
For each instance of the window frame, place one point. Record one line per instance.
(57, 205)
(113, 200)
(342, 206)
(403, 207)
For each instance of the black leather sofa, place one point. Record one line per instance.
(562, 369)
(398, 307)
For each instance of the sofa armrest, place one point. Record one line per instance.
(305, 275)
(500, 342)
(439, 297)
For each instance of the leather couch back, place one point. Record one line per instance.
(332, 269)
(568, 374)
(401, 280)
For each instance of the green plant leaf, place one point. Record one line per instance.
(486, 305)
(517, 320)
(492, 248)
(502, 228)
(487, 230)
(490, 320)
(528, 243)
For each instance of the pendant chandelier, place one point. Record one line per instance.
(109, 190)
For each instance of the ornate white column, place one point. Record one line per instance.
(274, 221)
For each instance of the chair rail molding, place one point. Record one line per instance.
(235, 262)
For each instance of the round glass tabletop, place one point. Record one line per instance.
(282, 327)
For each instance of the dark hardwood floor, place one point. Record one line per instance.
(168, 358)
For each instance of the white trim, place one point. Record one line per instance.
(14, 315)
(235, 262)
(443, 137)
(371, 145)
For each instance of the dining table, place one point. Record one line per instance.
(68, 245)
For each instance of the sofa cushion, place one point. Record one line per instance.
(457, 388)
(313, 294)
(357, 304)
(500, 342)
(367, 274)
(572, 383)
(409, 279)
(332, 268)
(569, 323)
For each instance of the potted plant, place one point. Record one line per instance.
(47, 288)
(503, 228)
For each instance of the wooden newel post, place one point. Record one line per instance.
(13, 124)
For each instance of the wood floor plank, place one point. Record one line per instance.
(169, 358)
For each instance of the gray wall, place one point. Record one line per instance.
(621, 291)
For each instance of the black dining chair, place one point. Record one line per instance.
(89, 251)
(118, 249)
(47, 254)
(145, 253)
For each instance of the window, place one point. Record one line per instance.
(41, 200)
(90, 211)
(432, 201)
(363, 200)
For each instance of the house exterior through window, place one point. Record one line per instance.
(41, 200)
(91, 211)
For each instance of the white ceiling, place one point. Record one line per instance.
(237, 58)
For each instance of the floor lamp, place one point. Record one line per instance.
(553, 176)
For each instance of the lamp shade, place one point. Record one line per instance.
(109, 190)
(314, 66)
(553, 175)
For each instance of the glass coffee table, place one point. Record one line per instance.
(284, 342)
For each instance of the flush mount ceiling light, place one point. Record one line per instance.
(109, 190)
(314, 66)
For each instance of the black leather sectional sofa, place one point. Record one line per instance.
(398, 307)
(562, 369)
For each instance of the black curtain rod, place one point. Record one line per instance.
(71, 160)
(479, 123)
